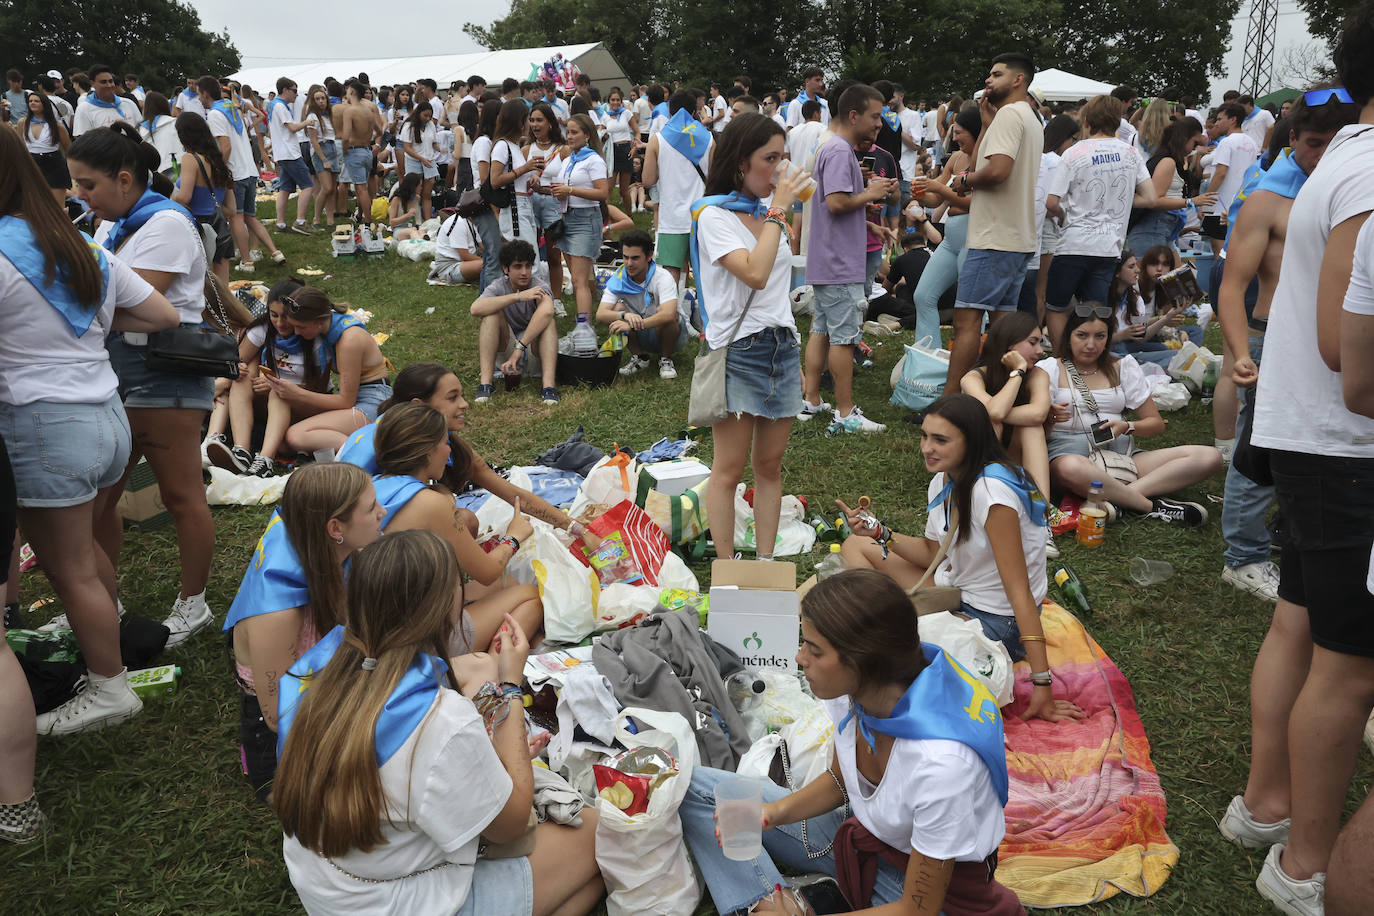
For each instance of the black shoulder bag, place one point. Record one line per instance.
(197, 351)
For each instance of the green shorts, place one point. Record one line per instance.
(670, 249)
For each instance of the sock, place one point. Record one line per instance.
(1226, 445)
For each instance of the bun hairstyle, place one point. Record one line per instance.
(119, 148)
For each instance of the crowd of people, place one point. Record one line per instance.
(378, 672)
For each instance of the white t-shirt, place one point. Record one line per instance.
(618, 127)
(932, 125)
(1127, 133)
(164, 137)
(512, 158)
(643, 112)
(443, 146)
(40, 358)
(64, 110)
(289, 367)
(1236, 152)
(970, 564)
(168, 243)
(481, 152)
(720, 111)
(442, 788)
(910, 120)
(662, 288)
(723, 295)
(1257, 125)
(436, 106)
(188, 101)
(286, 143)
(455, 233)
(241, 164)
(803, 140)
(794, 112)
(590, 169)
(426, 146)
(89, 116)
(1112, 403)
(936, 796)
(1301, 407)
(324, 127)
(1095, 183)
(678, 186)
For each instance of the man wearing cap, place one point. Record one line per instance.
(103, 107)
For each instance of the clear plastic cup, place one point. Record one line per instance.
(1150, 572)
(787, 168)
(739, 817)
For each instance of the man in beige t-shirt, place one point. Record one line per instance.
(1001, 223)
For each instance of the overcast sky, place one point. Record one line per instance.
(270, 31)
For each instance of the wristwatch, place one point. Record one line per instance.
(1016, 372)
(1130, 428)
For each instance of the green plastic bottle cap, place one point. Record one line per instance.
(834, 548)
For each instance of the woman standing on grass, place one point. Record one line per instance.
(205, 185)
(742, 261)
(293, 591)
(510, 169)
(418, 139)
(391, 778)
(622, 129)
(584, 189)
(61, 417)
(546, 143)
(324, 151)
(47, 140)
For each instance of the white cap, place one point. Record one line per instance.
(55, 74)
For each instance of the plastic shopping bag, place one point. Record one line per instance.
(919, 378)
(794, 537)
(568, 589)
(966, 643)
(643, 857)
(611, 480)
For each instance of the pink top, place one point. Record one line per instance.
(305, 641)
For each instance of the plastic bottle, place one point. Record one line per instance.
(831, 564)
(1075, 596)
(826, 533)
(583, 338)
(1092, 517)
(746, 690)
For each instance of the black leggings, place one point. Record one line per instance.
(259, 746)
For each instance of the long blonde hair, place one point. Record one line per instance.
(1155, 118)
(314, 495)
(328, 790)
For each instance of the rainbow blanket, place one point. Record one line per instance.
(1085, 817)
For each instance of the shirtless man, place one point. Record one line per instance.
(356, 122)
(1258, 234)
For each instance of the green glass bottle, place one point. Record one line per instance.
(1075, 596)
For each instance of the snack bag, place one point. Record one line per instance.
(627, 792)
(613, 563)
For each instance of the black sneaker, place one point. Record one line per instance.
(1178, 512)
(483, 394)
(234, 459)
(548, 396)
(262, 466)
(14, 620)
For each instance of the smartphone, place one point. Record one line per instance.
(869, 162)
(1102, 432)
(267, 371)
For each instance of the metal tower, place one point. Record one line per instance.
(1257, 73)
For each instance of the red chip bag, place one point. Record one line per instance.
(645, 540)
(627, 792)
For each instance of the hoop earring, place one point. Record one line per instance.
(338, 540)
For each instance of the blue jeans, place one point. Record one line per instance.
(1246, 502)
(489, 231)
(1002, 628)
(737, 885)
(1146, 351)
(942, 272)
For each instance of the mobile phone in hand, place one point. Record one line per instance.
(869, 162)
(1102, 432)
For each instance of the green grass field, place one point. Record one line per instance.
(153, 817)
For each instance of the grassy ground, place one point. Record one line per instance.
(153, 817)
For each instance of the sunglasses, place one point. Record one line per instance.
(1315, 97)
(1084, 310)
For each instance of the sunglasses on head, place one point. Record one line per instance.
(1085, 310)
(1315, 97)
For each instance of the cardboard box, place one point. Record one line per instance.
(140, 505)
(756, 611)
(673, 478)
(155, 682)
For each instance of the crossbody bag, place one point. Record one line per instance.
(936, 598)
(706, 405)
(1121, 467)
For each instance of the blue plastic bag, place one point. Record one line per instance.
(920, 376)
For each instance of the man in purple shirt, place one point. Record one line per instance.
(835, 259)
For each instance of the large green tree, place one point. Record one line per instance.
(160, 40)
(629, 30)
(1325, 18)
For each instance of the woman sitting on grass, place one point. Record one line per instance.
(403, 210)
(390, 778)
(416, 484)
(1140, 321)
(1091, 387)
(292, 592)
(436, 386)
(919, 760)
(994, 519)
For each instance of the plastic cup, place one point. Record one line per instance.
(786, 168)
(739, 817)
(1150, 572)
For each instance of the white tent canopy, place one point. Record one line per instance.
(493, 66)
(1062, 86)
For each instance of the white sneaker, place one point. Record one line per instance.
(188, 615)
(559, 309)
(1051, 551)
(99, 701)
(636, 365)
(1240, 827)
(1288, 895)
(810, 410)
(60, 622)
(1259, 579)
(855, 422)
(1369, 733)
(666, 370)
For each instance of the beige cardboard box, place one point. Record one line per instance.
(756, 611)
(140, 505)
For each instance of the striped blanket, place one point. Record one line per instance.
(1085, 817)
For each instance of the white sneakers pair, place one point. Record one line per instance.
(1259, 579)
(1288, 895)
(188, 615)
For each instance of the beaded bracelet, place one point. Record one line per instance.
(780, 223)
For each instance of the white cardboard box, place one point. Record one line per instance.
(756, 611)
(673, 478)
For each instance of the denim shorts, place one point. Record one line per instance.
(426, 171)
(763, 375)
(545, 208)
(1085, 277)
(1060, 443)
(650, 340)
(62, 454)
(1326, 529)
(872, 261)
(144, 389)
(839, 312)
(991, 280)
(330, 163)
(293, 176)
(583, 236)
(246, 195)
(370, 397)
(500, 887)
(356, 165)
(905, 185)
(1000, 627)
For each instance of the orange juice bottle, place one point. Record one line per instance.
(1092, 517)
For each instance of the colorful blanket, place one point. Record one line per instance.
(1086, 813)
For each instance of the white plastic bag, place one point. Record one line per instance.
(568, 589)
(1169, 396)
(606, 485)
(416, 249)
(966, 643)
(643, 857)
(229, 489)
(795, 536)
(810, 744)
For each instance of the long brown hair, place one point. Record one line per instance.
(869, 621)
(314, 495)
(66, 253)
(1156, 255)
(328, 789)
(1005, 333)
(981, 448)
(418, 382)
(406, 434)
(738, 141)
(589, 130)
